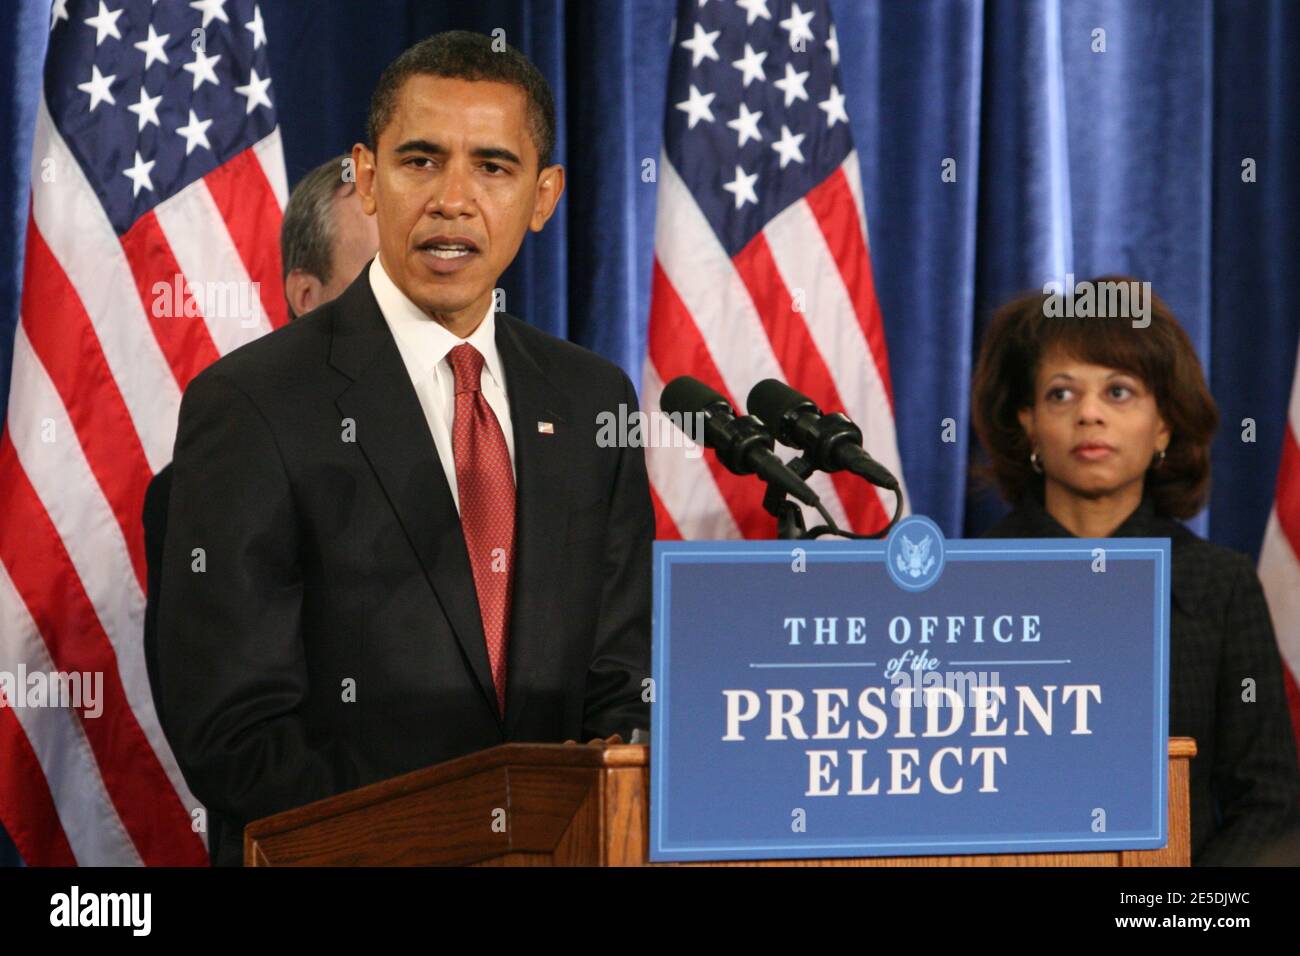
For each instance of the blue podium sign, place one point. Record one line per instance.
(912, 696)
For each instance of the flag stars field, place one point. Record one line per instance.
(105, 23)
(195, 133)
(255, 92)
(697, 106)
(203, 68)
(742, 187)
(98, 88)
(154, 47)
(751, 66)
(138, 173)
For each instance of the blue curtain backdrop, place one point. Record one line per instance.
(1067, 160)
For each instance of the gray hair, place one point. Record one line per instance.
(308, 232)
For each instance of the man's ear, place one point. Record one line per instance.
(363, 167)
(302, 291)
(550, 186)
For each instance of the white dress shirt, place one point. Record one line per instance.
(424, 344)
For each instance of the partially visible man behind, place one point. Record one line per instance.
(326, 238)
(325, 241)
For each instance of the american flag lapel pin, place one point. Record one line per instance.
(546, 428)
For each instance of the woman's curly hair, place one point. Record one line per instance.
(1160, 354)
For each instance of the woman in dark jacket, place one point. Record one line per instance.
(1101, 427)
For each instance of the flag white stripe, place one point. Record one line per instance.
(197, 233)
(75, 227)
(805, 262)
(90, 821)
(85, 523)
(1279, 564)
(853, 173)
(270, 153)
(1279, 573)
(685, 485)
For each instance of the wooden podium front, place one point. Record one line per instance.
(570, 805)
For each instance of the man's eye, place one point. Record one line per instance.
(493, 168)
(417, 161)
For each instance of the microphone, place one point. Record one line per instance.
(742, 444)
(831, 442)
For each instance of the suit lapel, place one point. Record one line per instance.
(540, 516)
(393, 434)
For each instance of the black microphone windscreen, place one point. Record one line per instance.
(771, 399)
(686, 396)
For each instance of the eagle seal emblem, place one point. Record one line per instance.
(915, 559)
(914, 553)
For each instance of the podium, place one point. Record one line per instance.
(570, 805)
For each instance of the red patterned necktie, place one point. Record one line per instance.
(485, 484)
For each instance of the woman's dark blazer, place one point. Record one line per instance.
(1244, 782)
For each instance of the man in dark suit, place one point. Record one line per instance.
(394, 537)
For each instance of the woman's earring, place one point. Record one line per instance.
(1161, 460)
(1033, 461)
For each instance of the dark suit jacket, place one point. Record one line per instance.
(155, 533)
(318, 626)
(1244, 781)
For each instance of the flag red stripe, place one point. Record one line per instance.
(836, 212)
(665, 527)
(64, 339)
(803, 366)
(1287, 505)
(1288, 489)
(247, 203)
(46, 580)
(185, 340)
(677, 348)
(26, 805)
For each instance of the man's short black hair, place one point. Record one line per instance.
(464, 55)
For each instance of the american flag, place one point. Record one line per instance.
(762, 268)
(158, 186)
(1279, 558)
